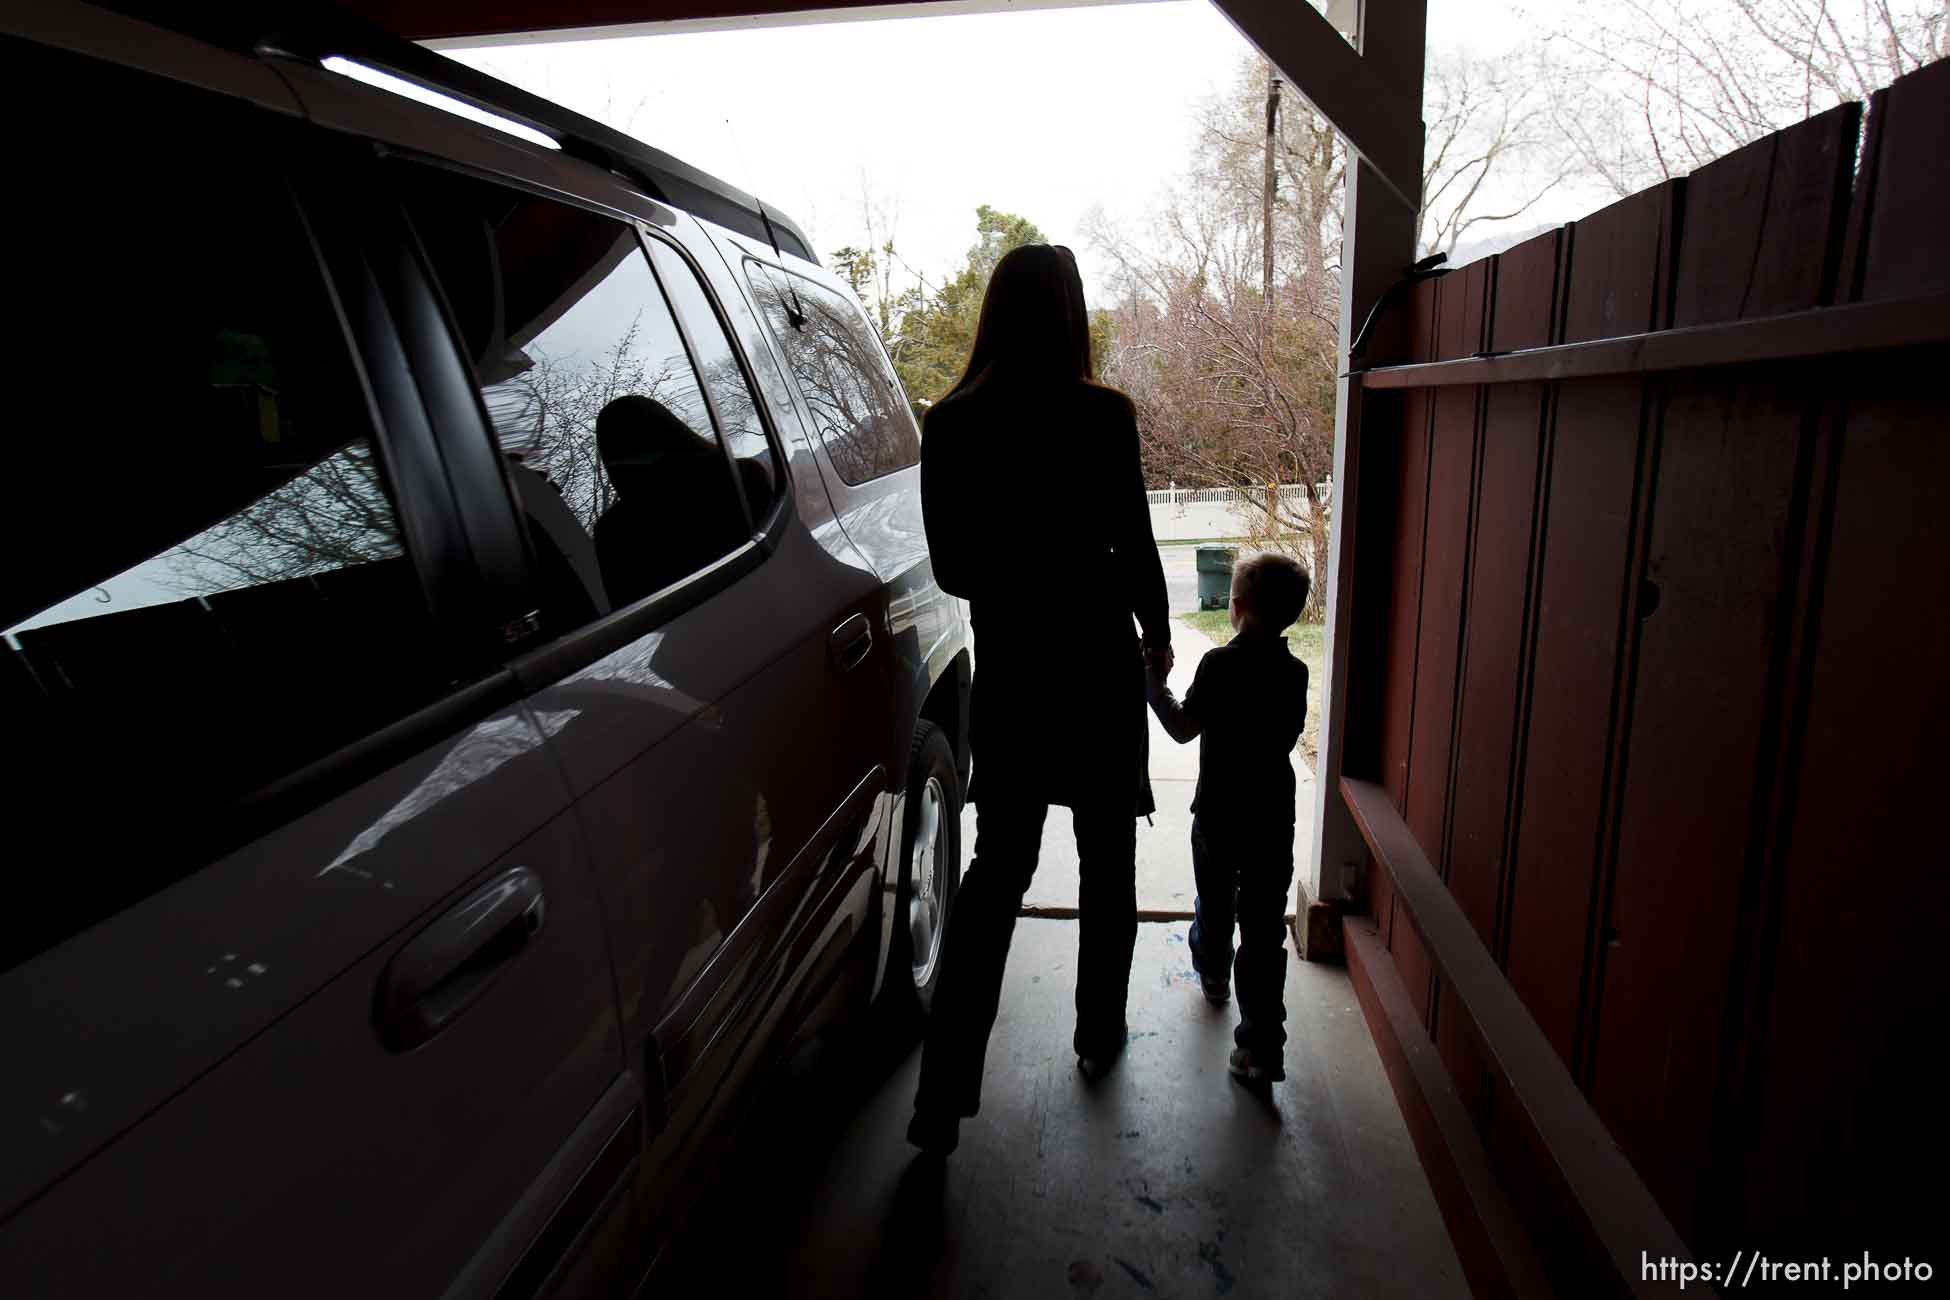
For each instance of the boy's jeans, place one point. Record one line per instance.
(1244, 877)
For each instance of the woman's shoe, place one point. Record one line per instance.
(1095, 1065)
(938, 1135)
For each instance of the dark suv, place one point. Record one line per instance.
(476, 689)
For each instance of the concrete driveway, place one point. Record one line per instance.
(1181, 577)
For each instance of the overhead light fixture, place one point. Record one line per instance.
(413, 90)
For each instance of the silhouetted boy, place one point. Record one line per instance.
(1247, 704)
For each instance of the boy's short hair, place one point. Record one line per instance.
(1274, 587)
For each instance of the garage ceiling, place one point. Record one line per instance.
(458, 21)
(1374, 102)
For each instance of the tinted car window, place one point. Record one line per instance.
(731, 396)
(609, 441)
(842, 374)
(208, 588)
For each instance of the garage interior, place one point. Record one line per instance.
(1621, 885)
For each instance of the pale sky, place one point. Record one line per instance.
(1046, 113)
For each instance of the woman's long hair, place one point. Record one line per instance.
(1033, 324)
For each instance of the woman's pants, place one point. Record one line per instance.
(975, 950)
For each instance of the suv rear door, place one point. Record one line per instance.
(720, 676)
(305, 985)
(869, 449)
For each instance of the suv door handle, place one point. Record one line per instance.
(850, 642)
(446, 966)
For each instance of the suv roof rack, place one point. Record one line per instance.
(313, 33)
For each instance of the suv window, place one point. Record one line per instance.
(731, 396)
(842, 373)
(208, 587)
(608, 436)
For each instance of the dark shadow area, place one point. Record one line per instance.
(1164, 1177)
(1259, 1100)
(915, 1228)
(744, 1226)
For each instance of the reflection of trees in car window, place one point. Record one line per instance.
(333, 515)
(613, 457)
(724, 377)
(564, 393)
(214, 596)
(841, 375)
(736, 405)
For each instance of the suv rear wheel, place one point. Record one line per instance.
(930, 872)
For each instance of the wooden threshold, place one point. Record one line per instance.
(1069, 912)
(1607, 1192)
(1820, 334)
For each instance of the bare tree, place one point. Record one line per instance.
(1490, 153)
(1231, 390)
(1643, 90)
(1234, 386)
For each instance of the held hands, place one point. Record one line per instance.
(1179, 725)
(1157, 665)
(1157, 660)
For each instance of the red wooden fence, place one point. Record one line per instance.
(1647, 712)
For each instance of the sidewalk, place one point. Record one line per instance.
(1164, 862)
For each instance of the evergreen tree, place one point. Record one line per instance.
(938, 332)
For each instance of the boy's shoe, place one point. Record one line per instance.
(1218, 991)
(937, 1135)
(1255, 1069)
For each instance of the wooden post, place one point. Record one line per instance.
(1378, 245)
(1266, 201)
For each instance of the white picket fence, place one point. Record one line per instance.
(1193, 514)
(1289, 492)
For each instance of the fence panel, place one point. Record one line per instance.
(1489, 702)
(1908, 206)
(1397, 717)
(1762, 236)
(1858, 891)
(1657, 691)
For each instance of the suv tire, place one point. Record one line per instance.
(930, 873)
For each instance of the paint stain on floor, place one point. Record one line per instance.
(1209, 1253)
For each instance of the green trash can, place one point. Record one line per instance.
(1215, 576)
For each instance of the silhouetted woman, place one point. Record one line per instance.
(1034, 502)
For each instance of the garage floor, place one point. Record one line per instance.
(1166, 1179)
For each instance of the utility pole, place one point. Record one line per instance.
(1266, 205)
(1266, 254)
